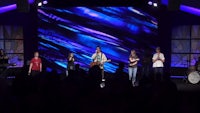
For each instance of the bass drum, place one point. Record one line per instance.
(194, 77)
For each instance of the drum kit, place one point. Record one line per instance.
(193, 75)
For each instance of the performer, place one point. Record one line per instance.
(133, 61)
(3, 61)
(35, 65)
(197, 65)
(99, 58)
(158, 60)
(146, 64)
(70, 63)
(2, 55)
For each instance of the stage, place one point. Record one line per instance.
(183, 85)
(79, 94)
(59, 30)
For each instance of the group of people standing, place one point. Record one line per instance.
(158, 60)
(99, 58)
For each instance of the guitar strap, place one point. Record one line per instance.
(101, 56)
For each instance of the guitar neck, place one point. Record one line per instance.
(107, 61)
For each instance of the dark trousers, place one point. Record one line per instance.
(158, 73)
(146, 71)
(35, 79)
(102, 74)
(2, 69)
(35, 73)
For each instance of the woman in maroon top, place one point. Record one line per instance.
(35, 65)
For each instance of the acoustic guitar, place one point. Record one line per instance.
(98, 63)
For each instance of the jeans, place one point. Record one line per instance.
(132, 74)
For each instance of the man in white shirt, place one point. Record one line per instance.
(100, 58)
(158, 60)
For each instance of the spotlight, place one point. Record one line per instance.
(45, 2)
(40, 4)
(150, 2)
(155, 4)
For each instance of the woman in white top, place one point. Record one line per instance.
(158, 60)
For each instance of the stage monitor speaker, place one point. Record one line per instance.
(23, 6)
(174, 5)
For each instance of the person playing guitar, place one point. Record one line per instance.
(99, 59)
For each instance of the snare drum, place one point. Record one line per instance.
(194, 77)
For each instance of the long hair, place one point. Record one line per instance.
(131, 53)
(69, 55)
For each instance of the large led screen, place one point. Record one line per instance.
(116, 30)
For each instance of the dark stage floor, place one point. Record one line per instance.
(189, 96)
(184, 85)
(80, 95)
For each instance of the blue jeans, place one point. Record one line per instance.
(132, 74)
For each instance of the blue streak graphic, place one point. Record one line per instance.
(80, 29)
